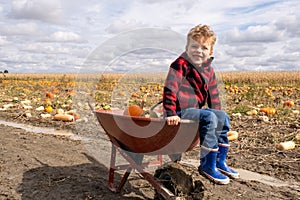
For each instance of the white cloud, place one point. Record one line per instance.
(3, 40)
(292, 45)
(45, 48)
(1, 9)
(245, 50)
(44, 10)
(61, 36)
(290, 23)
(259, 33)
(119, 25)
(25, 28)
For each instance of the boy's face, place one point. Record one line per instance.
(198, 51)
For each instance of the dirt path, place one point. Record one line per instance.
(37, 166)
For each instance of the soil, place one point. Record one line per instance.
(42, 166)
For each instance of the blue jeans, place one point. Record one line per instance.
(213, 125)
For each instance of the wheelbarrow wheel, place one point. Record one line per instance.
(179, 180)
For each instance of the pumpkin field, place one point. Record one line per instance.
(263, 107)
(265, 96)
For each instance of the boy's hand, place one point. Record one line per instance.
(173, 120)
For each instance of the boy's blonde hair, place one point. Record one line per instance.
(202, 31)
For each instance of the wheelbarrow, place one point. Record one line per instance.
(138, 135)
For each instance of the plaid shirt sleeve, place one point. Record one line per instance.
(172, 85)
(213, 100)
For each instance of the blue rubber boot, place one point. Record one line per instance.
(208, 166)
(221, 162)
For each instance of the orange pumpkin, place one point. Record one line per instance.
(268, 111)
(56, 91)
(48, 109)
(289, 103)
(134, 95)
(133, 110)
(49, 95)
(70, 93)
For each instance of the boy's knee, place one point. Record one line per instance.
(214, 120)
(222, 116)
(210, 118)
(221, 113)
(226, 116)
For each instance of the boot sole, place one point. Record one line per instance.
(233, 176)
(218, 181)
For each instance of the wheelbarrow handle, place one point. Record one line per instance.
(91, 106)
(186, 121)
(155, 105)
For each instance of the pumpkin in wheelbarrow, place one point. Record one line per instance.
(133, 110)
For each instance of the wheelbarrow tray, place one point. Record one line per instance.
(152, 136)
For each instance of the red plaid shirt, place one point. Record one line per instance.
(186, 88)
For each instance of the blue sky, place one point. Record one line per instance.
(42, 36)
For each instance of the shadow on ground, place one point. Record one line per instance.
(84, 181)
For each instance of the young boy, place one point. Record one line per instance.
(190, 84)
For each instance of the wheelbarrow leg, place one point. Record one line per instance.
(112, 169)
(124, 179)
(147, 176)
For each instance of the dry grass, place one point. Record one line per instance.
(259, 78)
(253, 78)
